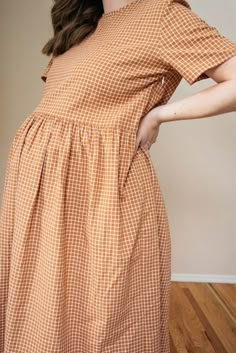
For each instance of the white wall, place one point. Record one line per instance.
(194, 159)
(24, 27)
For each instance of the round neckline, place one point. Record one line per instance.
(119, 10)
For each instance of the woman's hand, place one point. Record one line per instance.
(148, 129)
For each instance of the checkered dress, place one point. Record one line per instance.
(85, 249)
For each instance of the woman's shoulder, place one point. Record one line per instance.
(155, 10)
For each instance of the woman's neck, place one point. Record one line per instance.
(112, 5)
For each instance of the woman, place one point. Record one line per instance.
(85, 239)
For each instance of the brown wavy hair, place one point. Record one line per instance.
(72, 21)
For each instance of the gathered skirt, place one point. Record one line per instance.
(85, 243)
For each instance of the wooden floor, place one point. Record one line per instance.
(203, 318)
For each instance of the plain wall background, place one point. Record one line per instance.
(194, 159)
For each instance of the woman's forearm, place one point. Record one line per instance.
(217, 99)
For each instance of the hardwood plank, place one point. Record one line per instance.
(210, 332)
(172, 346)
(175, 328)
(227, 293)
(186, 329)
(220, 326)
(183, 284)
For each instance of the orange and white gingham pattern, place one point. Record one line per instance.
(85, 239)
(189, 44)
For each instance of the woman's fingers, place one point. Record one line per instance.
(147, 133)
(147, 145)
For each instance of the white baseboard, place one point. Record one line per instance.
(185, 277)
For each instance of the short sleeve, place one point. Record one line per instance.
(189, 44)
(46, 70)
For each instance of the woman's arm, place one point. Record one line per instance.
(217, 99)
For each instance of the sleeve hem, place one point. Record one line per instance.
(200, 73)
